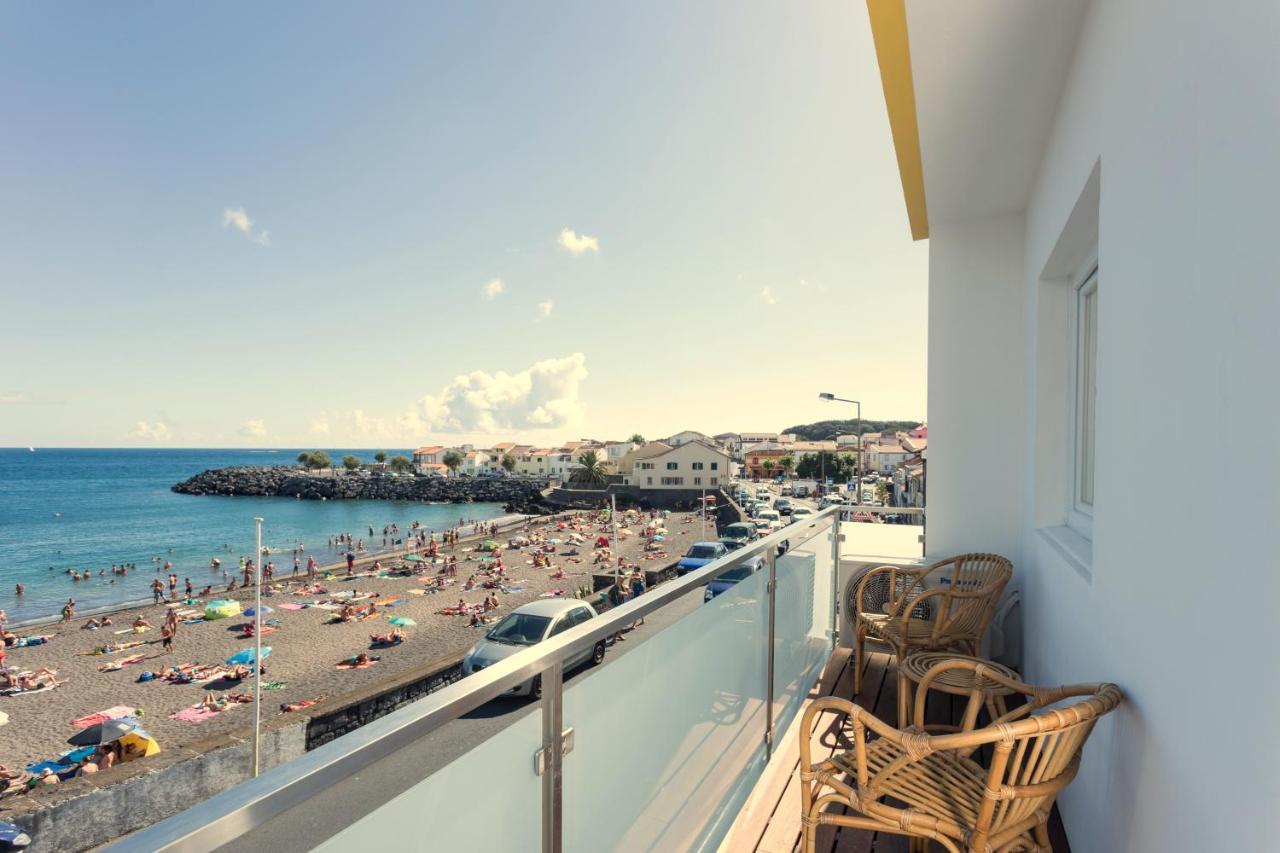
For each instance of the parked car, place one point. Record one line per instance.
(783, 506)
(734, 576)
(787, 490)
(699, 554)
(770, 519)
(801, 513)
(528, 625)
(740, 533)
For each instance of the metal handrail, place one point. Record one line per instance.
(228, 815)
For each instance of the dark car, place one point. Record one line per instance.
(699, 554)
(732, 577)
(783, 506)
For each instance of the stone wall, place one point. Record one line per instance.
(520, 494)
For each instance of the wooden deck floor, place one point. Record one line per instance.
(770, 821)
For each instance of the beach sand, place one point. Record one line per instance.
(305, 650)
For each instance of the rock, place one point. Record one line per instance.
(517, 494)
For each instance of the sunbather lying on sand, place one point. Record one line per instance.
(215, 703)
(360, 661)
(10, 680)
(394, 638)
(286, 707)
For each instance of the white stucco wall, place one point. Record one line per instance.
(1176, 103)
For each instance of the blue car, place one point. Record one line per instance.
(699, 554)
(734, 576)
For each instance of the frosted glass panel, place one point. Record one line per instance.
(489, 799)
(802, 621)
(670, 738)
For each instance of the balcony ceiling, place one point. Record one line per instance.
(987, 77)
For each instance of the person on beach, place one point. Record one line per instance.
(173, 585)
(166, 639)
(190, 588)
(141, 624)
(157, 591)
(351, 563)
(68, 610)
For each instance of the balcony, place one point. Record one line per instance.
(688, 742)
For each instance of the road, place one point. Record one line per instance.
(324, 815)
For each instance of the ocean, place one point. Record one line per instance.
(90, 508)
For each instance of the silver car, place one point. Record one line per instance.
(528, 625)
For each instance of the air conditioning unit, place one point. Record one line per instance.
(851, 572)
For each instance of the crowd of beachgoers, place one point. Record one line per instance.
(175, 671)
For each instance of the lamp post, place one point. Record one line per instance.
(857, 453)
(257, 647)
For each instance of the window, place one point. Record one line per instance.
(697, 466)
(697, 481)
(1085, 408)
(673, 481)
(648, 481)
(673, 466)
(714, 480)
(715, 466)
(646, 466)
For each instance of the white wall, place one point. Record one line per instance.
(977, 381)
(1176, 104)
(683, 458)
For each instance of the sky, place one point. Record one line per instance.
(361, 225)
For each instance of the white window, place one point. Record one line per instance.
(1084, 415)
(697, 481)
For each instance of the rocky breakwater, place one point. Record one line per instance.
(519, 495)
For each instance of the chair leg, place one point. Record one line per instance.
(857, 665)
(904, 699)
(1042, 837)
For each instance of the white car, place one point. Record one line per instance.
(801, 513)
(528, 625)
(768, 520)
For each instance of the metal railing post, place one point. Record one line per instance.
(772, 557)
(835, 579)
(553, 772)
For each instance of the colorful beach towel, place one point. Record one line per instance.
(113, 713)
(194, 715)
(290, 606)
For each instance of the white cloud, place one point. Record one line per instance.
(492, 289)
(767, 296)
(540, 397)
(578, 244)
(545, 308)
(319, 425)
(13, 399)
(254, 428)
(147, 431)
(237, 218)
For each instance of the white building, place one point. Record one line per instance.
(686, 436)
(693, 465)
(1098, 183)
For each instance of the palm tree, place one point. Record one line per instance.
(592, 472)
(636, 438)
(453, 461)
(508, 462)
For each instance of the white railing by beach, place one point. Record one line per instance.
(655, 750)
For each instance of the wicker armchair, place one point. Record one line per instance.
(911, 610)
(936, 787)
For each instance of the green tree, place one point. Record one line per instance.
(453, 461)
(826, 464)
(592, 472)
(401, 464)
(304, 459)
(351, 463)
(317, 460)
(508, 462)
(768, 467)
(380, 457)
(787, 463)
(636, 438)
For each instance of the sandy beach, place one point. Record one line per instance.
(305, 648)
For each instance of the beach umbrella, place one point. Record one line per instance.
(403, 622)
(139, 744)
(413, 558)
(253, 611)
(244, 657)
(105, 732)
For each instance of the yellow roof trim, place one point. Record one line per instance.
(889, 31)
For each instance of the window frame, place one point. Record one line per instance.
(1084, 283)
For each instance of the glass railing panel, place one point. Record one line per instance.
(802, 619)
(488, 799)
(669, 739)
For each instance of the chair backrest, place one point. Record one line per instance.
(969, 595)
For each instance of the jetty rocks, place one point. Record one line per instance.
(518, 494)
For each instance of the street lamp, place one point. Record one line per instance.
(827, 396)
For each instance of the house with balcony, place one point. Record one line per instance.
(432, 455)
(1097, 184)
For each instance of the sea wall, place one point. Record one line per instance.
(520, 494)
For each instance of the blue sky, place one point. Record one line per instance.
(275, 223)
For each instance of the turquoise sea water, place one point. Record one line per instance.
(88, 509)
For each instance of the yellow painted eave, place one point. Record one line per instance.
(893, 52)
